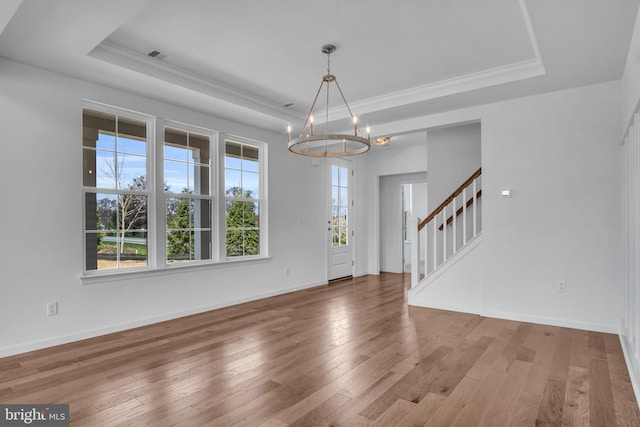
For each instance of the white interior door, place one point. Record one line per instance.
(339, 227)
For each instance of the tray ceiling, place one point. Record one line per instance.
(245, 59)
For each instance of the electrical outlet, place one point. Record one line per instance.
(52, 308)
(286, 271)
(562, 286)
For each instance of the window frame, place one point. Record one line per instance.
(342, 203)
(262, 199)
(148, 192)
(157, 262)
(212, 197)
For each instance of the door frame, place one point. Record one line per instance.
(395, 181)
(350, 217)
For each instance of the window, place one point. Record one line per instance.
(242, 199)
(188, 201)
(339, 205)
(153, 205)
(116, 196)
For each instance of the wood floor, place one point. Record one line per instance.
(349, 354)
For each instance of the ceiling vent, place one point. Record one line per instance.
(156, 54)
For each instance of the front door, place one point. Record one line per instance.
(339, 231)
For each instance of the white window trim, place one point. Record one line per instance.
(262, 176)
(214, 164)
(151, 221)
(156, 222)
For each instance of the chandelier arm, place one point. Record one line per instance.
(313, 104)
(326, 114)
(345, 101)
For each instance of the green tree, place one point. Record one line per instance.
(180, 238)
(243, 234)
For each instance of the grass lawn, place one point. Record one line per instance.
(129, 248)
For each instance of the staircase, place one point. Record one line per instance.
(447, 232)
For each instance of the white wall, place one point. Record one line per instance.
(369, 170)
(557, 152)
(419, 205)
(453, 156)
(41, 222)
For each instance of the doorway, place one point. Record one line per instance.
(403, 198)
(339, 223)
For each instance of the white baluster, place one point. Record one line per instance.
(454, 240)
(444, 234)
(426, 249)
(415, 254)
(475, 213)
(464, 216)
(435, 243)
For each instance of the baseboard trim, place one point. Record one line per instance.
(551, 321)
(633, 365)
(519, 317)
(92, 333)
(447, 306)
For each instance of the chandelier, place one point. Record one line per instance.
(327, 144)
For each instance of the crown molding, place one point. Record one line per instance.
(124, 57)
(482, 79)
(468, 82)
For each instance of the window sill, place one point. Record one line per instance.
(120, 275)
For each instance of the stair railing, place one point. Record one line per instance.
(448, 228)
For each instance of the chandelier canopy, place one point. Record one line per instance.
(328, 144)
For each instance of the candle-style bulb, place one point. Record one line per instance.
(311, 123)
